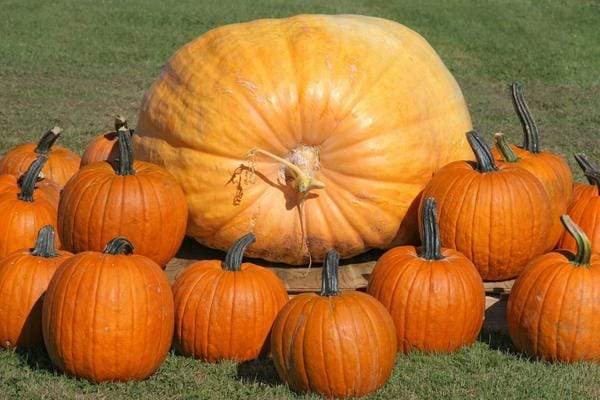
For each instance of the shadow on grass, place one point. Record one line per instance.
(36, 358)
(500, 341)
(260, 371)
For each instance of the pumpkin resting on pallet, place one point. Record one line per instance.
(585, 209)
(435, 295)
(336, 344)
(24, 278)
(289, 127)
(62, 163)
(550, 168)
(104, 147)
(494, 215)
(554, 305)
(135, 199)
(24, 213)
(108, 316)
(225, 310)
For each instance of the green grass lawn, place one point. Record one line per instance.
(77, 63)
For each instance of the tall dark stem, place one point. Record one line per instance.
(504, 148)
(47, 140)
(590, 169)
(30, 177)
(432, 247)
(584, 246)
(45, 245)
(124, 165)
(531, 135)
(235, 254)
(485, 160)
(329, 284)
(118, 245)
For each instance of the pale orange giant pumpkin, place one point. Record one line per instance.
(312, 132)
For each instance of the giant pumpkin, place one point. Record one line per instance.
(312, 132)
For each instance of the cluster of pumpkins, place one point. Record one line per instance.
(105, 311)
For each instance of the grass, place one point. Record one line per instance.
(77, 63)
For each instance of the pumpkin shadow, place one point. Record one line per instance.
(500, 341)
(36, 358)
(261, 370)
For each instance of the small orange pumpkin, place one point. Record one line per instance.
(104, 147)
(24, 278)
(108, 316)
(554, 305)
(494, 215)
(585, 210)
(135, 199)
(435, 295)
(225, 310)
(24, 213)
(336, 344)
(46, 188)
(62, 163)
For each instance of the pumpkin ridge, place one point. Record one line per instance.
(333, 310)
(560, 308)
(409, 290)
(542, 305)
(301, 325)
(210, 315)
(574, 342)
(371, 326)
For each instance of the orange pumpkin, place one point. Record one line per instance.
(24, 213)
(553, 307)
(24, 278)
(62, 163)
(104, 147)
(336, 344)
(585, 210)
(46, 188)
(135, 199)
(288, 127)
(551, 168)
(494, 215)
(108, 316)
(435, 295)
(225, 310)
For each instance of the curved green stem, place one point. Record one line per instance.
(590, 170)
(485, 160)
(531, 135)
(432, 247)
(118, 245)
(124, 165)
(504, 148)
(329, 283)
(235, 254)
(584, 246)
(30, 177)
(45, 245)
(47, 140)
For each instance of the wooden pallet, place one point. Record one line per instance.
(353, 275)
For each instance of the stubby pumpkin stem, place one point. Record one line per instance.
(120, 122)
(329, 283)
(124, 165)
(235, 254)
(45, 245)
(485, 160)
(47, 140)
(590, 170)
(431, 249)
(119, 245)
(584, 246)
(504, 148)
(531, 134)
(303, 183)
(30, 177)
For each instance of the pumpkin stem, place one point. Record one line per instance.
(118, 245)
(302, 181)
(504, 148)
(329, 283)
(47, 140)
(30, 177)
(590, 170)
(432, 247)
(124, 165)
(235, 254)
(584, 246)
(485, 160)
(531, 135)
(45, 245)
(120, 122)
